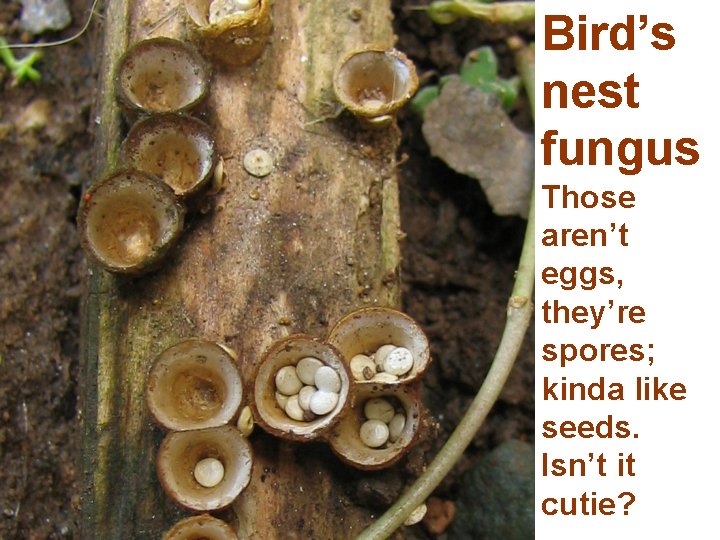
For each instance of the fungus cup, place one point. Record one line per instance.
(370, 332)
(192, 385)
(178, 149)
(236, 36)
(179, 455)
(347, 437)
(280, 413)
(373, 82)
(129, 221)
(200, 527)
(161, 75)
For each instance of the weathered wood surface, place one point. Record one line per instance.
(291, 252)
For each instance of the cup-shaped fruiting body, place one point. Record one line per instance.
(178, 149)
(204, 469)
(230, 32)
(301, 388)
(194, 384)
(203, 526)
(129, 221)
(161, 75)
(374, 82)
(382, 346)
(380, 427)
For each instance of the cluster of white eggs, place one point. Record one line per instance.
(387, 364)
(307, 390)
(384, 422)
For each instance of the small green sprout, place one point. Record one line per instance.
(21, 69)
(479, 70)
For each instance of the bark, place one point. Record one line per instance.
(290, 252)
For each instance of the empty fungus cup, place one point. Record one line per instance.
(179, 459)
(374, 82)
(194, 384)
(200, 527)
(347, 437)
(178, 149)
(229, 32)
(129, 221)
(161, 75)
(370, 332)
(278, 373)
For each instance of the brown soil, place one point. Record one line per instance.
(458, 269)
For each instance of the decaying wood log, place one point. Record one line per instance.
(290, 252)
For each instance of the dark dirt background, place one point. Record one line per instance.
(459, 261)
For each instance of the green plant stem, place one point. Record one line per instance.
(21, 69)
(519, 314)
(525, 62)
(448, 11)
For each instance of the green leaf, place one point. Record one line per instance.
(423, 98)
(480, 70)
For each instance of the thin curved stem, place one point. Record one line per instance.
(519, 314)
(449, 11)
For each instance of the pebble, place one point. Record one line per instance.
(39, 16)
(416, 515)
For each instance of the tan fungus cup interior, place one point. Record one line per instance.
(233, 40)
(182, 450)
(366, 330)
(373, 82)
(200, 527)
(178, 149)
(290, 351)
(345, 440)
(128, 219)
(161, 75)
(194, 384)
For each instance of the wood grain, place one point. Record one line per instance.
(290, 252)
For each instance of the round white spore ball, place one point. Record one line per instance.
(398, 362)
(209, 472)
(379, 409)
(362, 367)
(381, 354)
(374, 433)
(327, 379)
(306, 369)
(304, 396)
(385, 378)
(287, 381)
(294, 410)
(281, 399)
(323, 402)
(396, 426)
